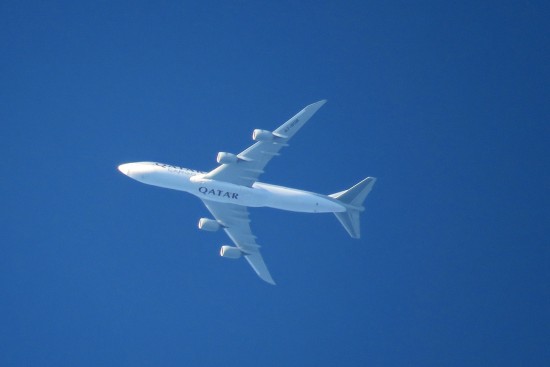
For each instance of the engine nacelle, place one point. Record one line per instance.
(210, 225)
(230, 252)
(226, 158)
(262, 135)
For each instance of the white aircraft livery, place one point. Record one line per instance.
(233, 186)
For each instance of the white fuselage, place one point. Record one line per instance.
(259, 195)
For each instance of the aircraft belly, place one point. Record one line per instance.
(285, 198)
(258, 195)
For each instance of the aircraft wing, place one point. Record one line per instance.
(235, 222)
(252, 161)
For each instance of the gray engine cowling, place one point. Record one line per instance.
(230, 252)
(210, 225)
(226, 158)
(262, 135)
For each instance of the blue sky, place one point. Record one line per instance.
(445, 103)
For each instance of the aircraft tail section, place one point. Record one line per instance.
(353, 199)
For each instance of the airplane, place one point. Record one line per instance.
(233, 186)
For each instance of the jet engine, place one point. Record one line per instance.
(230, 252)
(262, 135)
(210, 225)
(226, 158)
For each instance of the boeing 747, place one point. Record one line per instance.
(233, 186)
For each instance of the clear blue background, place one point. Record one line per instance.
(446, 103)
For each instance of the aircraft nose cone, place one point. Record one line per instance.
(124, 168)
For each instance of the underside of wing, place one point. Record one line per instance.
(250, 163)
(235, 221)
(257, 262)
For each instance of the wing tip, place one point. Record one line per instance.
(256, 261)
(318, 103)
(266, 276)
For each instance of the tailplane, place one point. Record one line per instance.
(353, 201)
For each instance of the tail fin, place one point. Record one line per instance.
(353, 200)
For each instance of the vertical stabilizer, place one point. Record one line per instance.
(353, 200)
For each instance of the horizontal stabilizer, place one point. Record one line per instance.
(350, 221)
(353, 200)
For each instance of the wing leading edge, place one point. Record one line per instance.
(236, 223)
